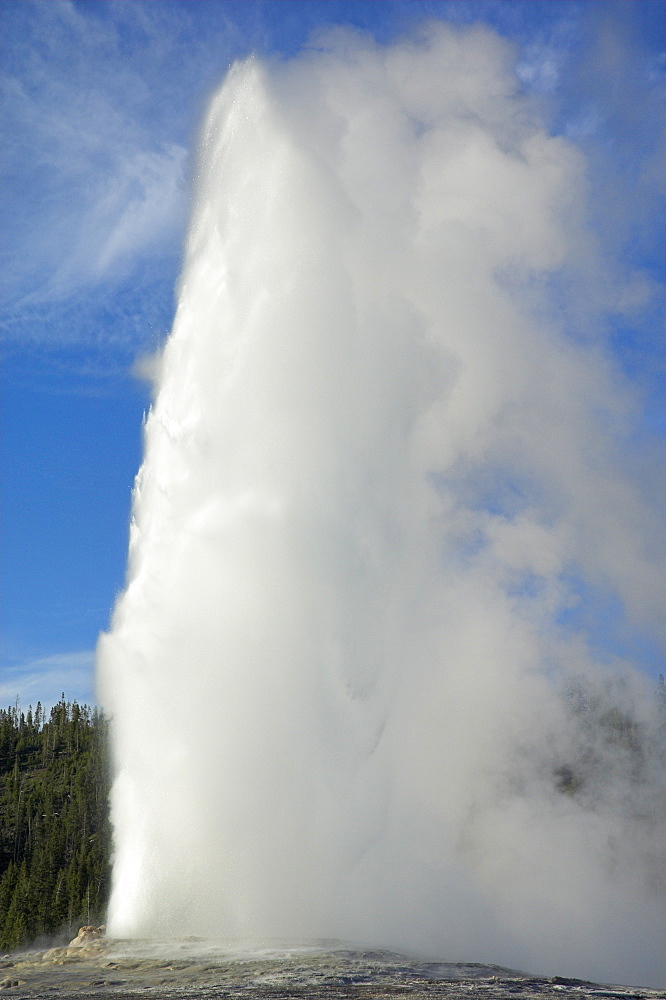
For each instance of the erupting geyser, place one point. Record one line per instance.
(353, 691)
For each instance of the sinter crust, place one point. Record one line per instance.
(95, 966)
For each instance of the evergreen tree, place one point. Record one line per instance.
(54, 826)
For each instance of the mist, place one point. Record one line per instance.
(393, 507)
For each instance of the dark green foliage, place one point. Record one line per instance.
(54, 827)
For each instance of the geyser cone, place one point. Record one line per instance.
(335, 675)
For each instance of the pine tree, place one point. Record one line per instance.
(54, 826)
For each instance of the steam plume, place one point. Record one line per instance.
(381, 478)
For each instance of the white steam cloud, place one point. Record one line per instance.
(381, 479)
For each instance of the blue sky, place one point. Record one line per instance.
(101, 107)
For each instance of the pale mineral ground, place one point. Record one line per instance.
(96, 966)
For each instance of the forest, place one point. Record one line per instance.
(55, 834)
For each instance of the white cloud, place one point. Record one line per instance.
(139, 208)
(94, 167)
(541, 68)
(46, 678)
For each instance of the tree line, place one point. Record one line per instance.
(55, 834)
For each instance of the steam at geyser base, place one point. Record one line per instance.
(353, 692)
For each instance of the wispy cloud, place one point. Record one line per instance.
(138, 209)
(101, 103)
(46, 678)
(94, 165)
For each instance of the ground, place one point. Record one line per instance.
(95, 966)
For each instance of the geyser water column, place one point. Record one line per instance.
(332, 675)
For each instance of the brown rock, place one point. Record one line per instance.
(86, 935)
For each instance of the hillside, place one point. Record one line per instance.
(54, 827)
